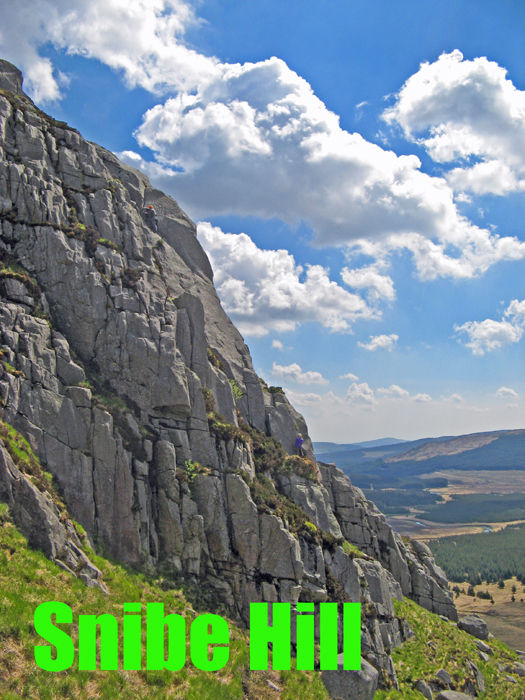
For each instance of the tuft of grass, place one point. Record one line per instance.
(24, 458)
(108, 244)
(236, 389)
(192, 468)
(353, 551)
(302, 466)
(11, 370)
(438, 644)
(11, 268)
(130, 277)
(215, 360)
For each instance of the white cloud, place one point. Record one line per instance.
(360, 393)
(308, 399)
(350, 376)
(294, 373)
(396, 392)
(464, 110)
(505, 392)
(369, 277)
(266, 290)
(421, 398)
(259, 142)
(454, 398)
(254, 139)
(348, 421)
(142, 39)
(383, 342)
(277, 344)
(485, 336)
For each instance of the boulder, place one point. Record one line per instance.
(484, 647)
(351, 685)
(474, 625)
(444, 676)
(422, 687)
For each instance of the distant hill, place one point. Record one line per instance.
(503, 449)
(329, 447)
(351, 456)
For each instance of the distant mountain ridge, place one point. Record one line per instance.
(327, 447)
(501, 449)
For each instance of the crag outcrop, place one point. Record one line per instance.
(138, 394)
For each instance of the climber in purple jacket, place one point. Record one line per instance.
(299, 445)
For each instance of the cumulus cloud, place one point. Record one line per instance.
(360, 393)
(266, 290)
(254, 139)
(463, 110)
(505, 392)
(421, 398)
(277, 344)
(350, 376)
(259, 142)
(396, 392)
(143, 40)
(307, 399)
(294, 373)
(379, 286)
(454, 398)
(485, 336)
(383, 342)
(364, 394)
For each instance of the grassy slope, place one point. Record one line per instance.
(417, 659)
(27, 579)
(505, 618)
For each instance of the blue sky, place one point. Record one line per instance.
(358, 172)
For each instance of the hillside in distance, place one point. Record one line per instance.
(503, 449)
(327, 447)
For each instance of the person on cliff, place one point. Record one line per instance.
(151, 218)
(299, 445)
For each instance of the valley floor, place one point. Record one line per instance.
(505, 619)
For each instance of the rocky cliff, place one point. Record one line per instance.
(137, 393)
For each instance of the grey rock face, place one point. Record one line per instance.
(313, 499)
(475, 626)
(351, 685)
(10, 77)
(362, 524)
(113, 396)
(453, 695)
(37, 517)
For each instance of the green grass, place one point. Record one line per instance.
(27, 579)
(236, 389)
(452, 648)
(352, 550)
